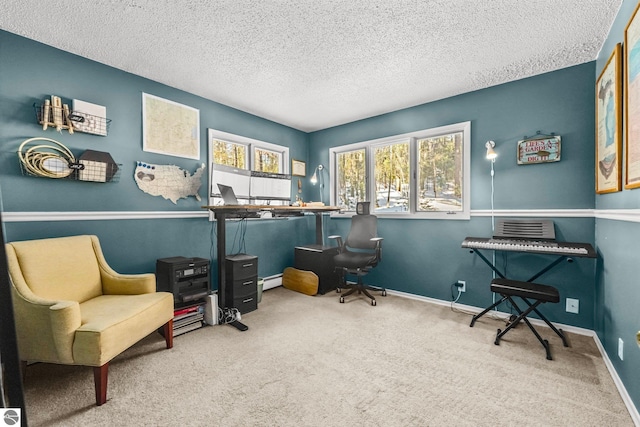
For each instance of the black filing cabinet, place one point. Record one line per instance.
(241, 288)
(319, 259)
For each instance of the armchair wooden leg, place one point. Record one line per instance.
(167, 331)
(100, 378)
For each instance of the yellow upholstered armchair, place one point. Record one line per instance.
(71, 308)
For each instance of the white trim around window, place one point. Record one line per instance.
(412, 211)
(251, 144)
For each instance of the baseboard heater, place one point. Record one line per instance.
(272, 281)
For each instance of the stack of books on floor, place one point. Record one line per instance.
(188, 318)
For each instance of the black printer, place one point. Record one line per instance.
(186, 278)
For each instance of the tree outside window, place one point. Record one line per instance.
(392, 177)
(351, 179)
(423, 174)
(267, 160)
(440, 173)
(229, 154)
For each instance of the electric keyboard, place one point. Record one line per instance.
(550, 247)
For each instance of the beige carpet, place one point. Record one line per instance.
(311, 361)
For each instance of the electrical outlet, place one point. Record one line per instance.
(620, 349)
(462, 285)
(573, 305)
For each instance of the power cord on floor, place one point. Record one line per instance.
(228, 315)
(455, 298)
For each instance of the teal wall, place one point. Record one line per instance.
(426, 254)
(424, 257)
(617, 297)
(31, 72)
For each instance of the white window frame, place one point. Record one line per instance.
(251, 145)
(413, 137)
(246, 147)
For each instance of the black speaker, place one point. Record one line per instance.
(362, 208)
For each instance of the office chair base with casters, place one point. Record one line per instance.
(359, 287)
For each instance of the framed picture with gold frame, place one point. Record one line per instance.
(609, 125)
(632, 100)
(298, 168)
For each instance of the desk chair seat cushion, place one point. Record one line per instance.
(536, 291)
(110, 324)
(353, 260)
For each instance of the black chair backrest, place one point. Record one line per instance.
(363, 229)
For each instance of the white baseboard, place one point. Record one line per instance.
(633, 411)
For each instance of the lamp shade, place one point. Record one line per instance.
(314, 177)
(491, 153)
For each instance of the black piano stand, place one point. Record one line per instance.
(486, 310)
(532, 278)
(501, 275)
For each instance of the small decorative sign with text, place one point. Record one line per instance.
(539, 150)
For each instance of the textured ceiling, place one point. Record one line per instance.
(313, 64)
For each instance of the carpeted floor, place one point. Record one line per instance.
(311, 361)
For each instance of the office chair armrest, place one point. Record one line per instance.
(378, 241)
(338, 240)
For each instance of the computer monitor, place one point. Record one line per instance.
(238, 179)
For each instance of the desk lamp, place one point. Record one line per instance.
(314, 179)
(491, 153)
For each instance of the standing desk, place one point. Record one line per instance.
(221, 212)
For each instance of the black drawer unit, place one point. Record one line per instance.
(319, 259)
(241, 287)
(244, 287)
(246, 304)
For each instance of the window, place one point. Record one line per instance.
(423, 174)
(229, 153)
(233, 150)
(266, 160)
(239, 156)
(440, 173)
(391, 169)
(350, 179)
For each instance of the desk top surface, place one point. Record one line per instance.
(236, 208)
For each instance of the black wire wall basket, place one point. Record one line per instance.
(47, 158)
(63, 118)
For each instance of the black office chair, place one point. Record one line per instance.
(359, 253)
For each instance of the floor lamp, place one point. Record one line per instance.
(491, 156)
(314, 180)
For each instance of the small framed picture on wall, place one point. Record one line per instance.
(298, 168)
